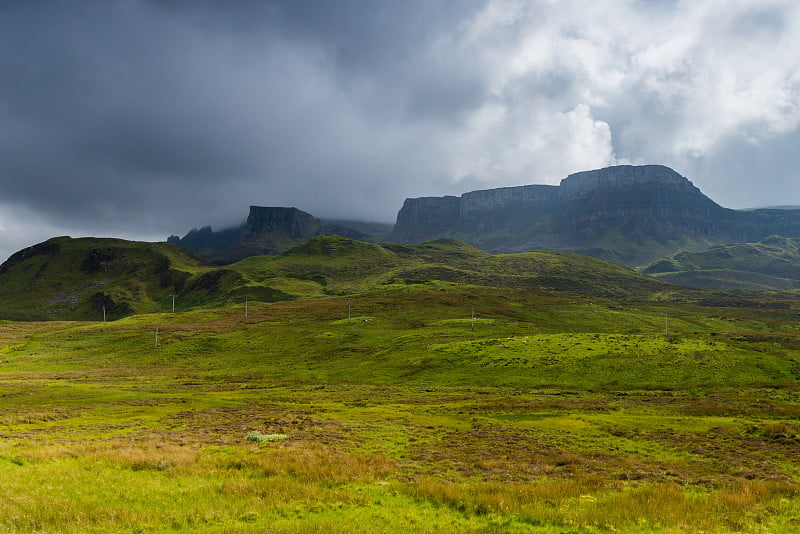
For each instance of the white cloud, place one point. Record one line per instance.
(673, 84)
(501, 146)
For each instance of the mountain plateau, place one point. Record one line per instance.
(628, 214)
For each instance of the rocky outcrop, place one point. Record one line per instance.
(294, 223)
(632, 214)
(48, 248)
(205, 238)
(420, 218)
(267, 230)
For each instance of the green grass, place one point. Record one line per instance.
(76, 279)
(551, 412)
(771, 264)
(616, 246)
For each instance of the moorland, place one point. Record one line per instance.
(353, 387)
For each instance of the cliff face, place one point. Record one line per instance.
(427, 216)
(297, 224)
(628, 213)
(267, 230)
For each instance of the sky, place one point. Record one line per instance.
(143, 118)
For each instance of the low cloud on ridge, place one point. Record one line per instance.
(142, 118)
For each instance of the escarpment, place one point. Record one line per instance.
(630, 214)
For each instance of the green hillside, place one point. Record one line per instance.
(771, 264)
(335, 265)
(66, 278)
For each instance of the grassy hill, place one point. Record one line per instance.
(771, 264)
(339, 266)
(66, 278)
(69, 278)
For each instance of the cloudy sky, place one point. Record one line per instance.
(139, 118)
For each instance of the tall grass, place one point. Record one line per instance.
(591, 503)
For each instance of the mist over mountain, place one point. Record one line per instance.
(632, 215)
(267, 231)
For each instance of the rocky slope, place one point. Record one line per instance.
(629, 214)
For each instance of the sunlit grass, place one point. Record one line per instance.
(556, 413)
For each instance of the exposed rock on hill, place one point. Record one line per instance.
(295, 223)
(629, 214)
(267, 231)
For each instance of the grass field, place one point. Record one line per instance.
(547, 413)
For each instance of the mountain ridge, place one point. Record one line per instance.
(632, 215)
(629, 214)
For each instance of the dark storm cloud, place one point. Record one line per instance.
(141, 118)
(149, 109)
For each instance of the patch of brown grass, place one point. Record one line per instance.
(318, 464)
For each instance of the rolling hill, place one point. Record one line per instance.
(771, 264)
(65, 278)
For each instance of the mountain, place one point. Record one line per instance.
(267, 231)
(628, 214)
(65, 278)
(773, 263)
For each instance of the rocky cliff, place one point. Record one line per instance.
(267, 230)
(295, 223)
(630, 214)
